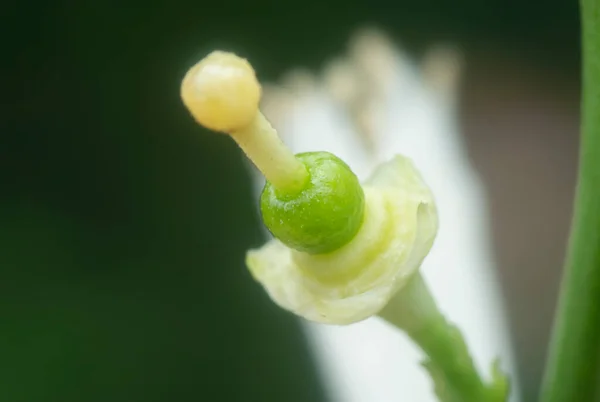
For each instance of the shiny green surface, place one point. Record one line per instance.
(325, 215)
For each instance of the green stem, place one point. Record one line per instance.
(450, 365)
(571, 372)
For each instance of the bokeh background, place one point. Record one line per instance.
(123, 225)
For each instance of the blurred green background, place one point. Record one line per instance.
(123, 225)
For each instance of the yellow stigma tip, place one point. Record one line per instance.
(222, 92)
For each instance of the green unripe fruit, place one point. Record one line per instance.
(325, 215)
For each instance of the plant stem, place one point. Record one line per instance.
(571, 372)
(451, 367)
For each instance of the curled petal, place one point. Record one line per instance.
(357, 280)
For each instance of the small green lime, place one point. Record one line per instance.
(325, 215)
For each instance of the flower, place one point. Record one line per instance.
(357, 280)
(369, 102)
(376, 261)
